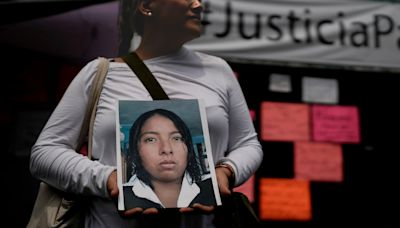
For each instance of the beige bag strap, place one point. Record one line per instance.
(90, 114)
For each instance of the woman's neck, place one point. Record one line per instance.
(154, 46)
(168, 193)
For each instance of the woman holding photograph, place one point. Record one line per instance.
(166, 172)
(164, 27)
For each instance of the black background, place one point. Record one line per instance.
(368, 195)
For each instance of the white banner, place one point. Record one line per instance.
(340, 32)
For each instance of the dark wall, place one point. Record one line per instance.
(368, 195)
(32, 84)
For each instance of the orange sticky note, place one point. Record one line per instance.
(318, 161)
(284, 121)
(285, 199)
(247, 188)
(339, 124)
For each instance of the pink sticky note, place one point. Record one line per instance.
(252, 114)
(285, 199)
(339, 124)
(318, 161)
(284, 121)
(236, 74)
(247, 188)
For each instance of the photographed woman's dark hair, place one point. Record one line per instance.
(134, 138)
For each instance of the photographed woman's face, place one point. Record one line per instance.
(162, 150)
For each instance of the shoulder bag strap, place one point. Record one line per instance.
(90, 114)
(145, 76)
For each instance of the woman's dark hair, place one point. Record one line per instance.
(130, 21)
(134, 137)
(137, 18)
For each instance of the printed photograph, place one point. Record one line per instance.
(164, 155)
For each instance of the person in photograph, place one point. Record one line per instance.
(164, 27)
(166, 171)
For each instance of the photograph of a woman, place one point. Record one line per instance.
(166, 171)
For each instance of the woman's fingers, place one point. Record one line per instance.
(149, 211)
(198, 208)
(112, 185)
(195, 208)
(139, 210)
(223, 181)
(204, 208)
(132, 212)
(186, 209)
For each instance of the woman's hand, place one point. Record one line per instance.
(112, 188)
(112, 185)
(198, 207)
(138, 210)
(223, 176)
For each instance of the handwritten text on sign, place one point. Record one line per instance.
(318, 161)
(285, 199)
(339, 124)
(284, 121)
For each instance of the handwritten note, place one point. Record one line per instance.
(247, 188)
(285, 199)
(318, 161)
(284, 121)
(320, 90)
(339, 124)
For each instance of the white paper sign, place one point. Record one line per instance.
(339, 32)
(280, 83)
(320, 90)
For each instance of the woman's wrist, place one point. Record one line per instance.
(230, 171)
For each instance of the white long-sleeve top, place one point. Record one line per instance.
(183, 75)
